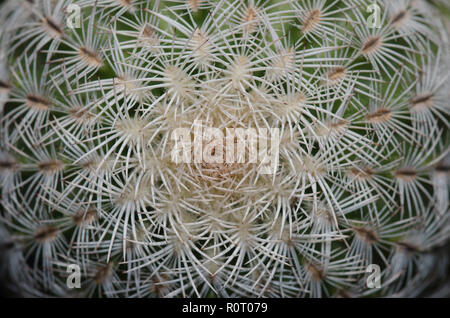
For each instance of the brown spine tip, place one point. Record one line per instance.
(37, 102)
(316, 271)
(53, 29)
(50, 166)
(338, 124)
(125, 3)
(289, 242)
(158, 286)
(406, 174)
(336, 74)
(250, 19)
(311, 21)
(442, 169)
(379, 116)
(148, 31)
(194, 5)
(148, 36)
(83, 217)
(398, 19)
(102, 273)
(362, 173)
(89, 165)
(8, 164)
(410, 248)
(368, 235)
(91, 58)
(5, 87)
(422, 102)
(200, 44)
(45, 233)
(80, 114)
(371, 45)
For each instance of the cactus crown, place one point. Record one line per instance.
(92, 91)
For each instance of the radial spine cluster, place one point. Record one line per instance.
(91, 92)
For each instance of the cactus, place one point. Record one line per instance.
(92, 91)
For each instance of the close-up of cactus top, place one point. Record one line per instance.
(224, 148)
